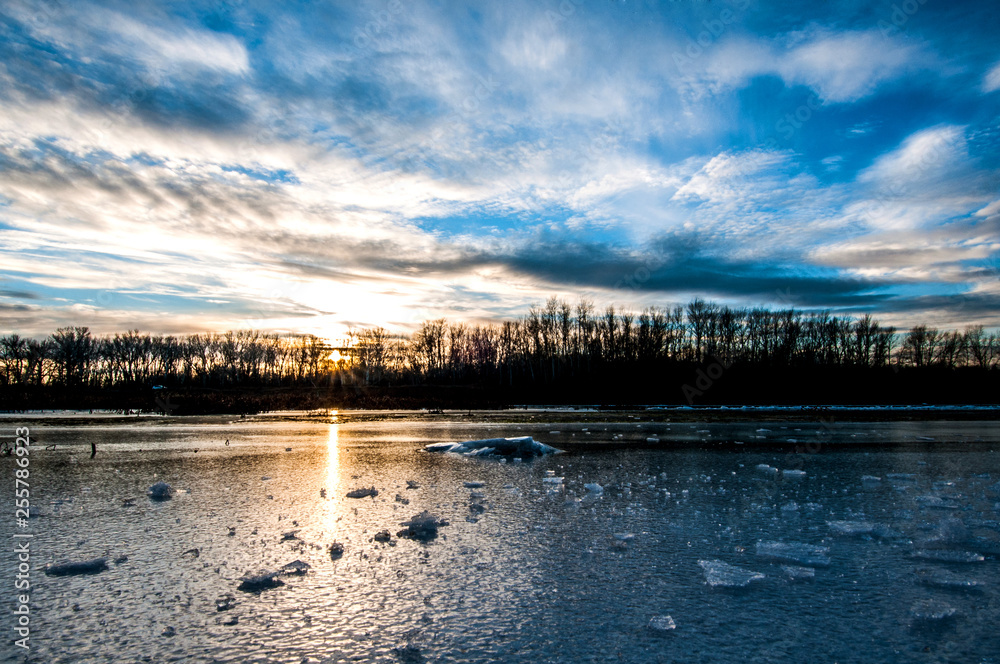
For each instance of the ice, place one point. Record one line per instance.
(423, 527)
(296, 568)
(808, 555)
(947, 556)
(524, 447)
(552, 481)
(932, 610)
(724, 575)
(594, 488)
(662, 623)
(936, 502)
(947, 580)
(767, 470)
(160, 491)
(225, 603)
(855, 528)
(870, 481)
(901, 477)
(797, 573)
(472, 485)
(73, 568)
(363, 493)
(382, 536)
(949, 533)
(336, 550)
(793, 474)
(258, 583)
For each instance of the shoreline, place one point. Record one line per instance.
(531, 414)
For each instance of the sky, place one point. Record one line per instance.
(320, 166)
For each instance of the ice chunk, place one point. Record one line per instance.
(257, 583)
(524, 447)
(856, 528)
(947, 556)
(423, 527)
(382, 536)
(594, 488)
(225, 603)
(932, 610)
(767, 470)
(947, 580)
(808, 555)
(724, 575)
(797, 573)
(336, 550)
(160, 491)
(652, 439)
(662, 623)
(295, 568)
(73, 568)
(936, 502)
(949, 532)
(870, 481)
(363, 493)
(793, 474)
(552, 481)
(472, 485)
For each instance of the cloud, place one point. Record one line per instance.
(991, 81)
(840, 67)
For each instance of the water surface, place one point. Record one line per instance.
(526, 570)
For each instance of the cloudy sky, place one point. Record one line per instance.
(309, 166)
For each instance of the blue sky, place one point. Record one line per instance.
(311, 166)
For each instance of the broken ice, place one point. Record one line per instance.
(723, 575)
(808, 555)
(523, 447)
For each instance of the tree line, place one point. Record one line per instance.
(552, 344)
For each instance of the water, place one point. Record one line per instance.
(525, 570)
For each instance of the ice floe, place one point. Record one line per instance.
(932, 610)
(77, 567)
(363, 492)
(523, 447)
(860, 528)
(295, 568)
(797, 573)
(423, 527)
(257, 583)
(808, 555)
(662, 623)
(723, 575)
(947, 580)
(947, 556)
(793, 474)
(160, 491)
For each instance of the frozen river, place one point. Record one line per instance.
(884, 548)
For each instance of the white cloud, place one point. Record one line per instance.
(991, 81)
(840, 67)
